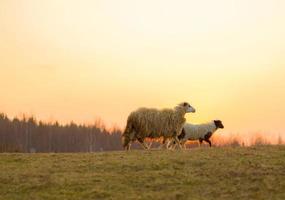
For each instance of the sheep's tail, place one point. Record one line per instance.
(128, 129)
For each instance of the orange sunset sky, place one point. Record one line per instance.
(82, 60)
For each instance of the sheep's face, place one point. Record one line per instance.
(218, 123)
(188, 108)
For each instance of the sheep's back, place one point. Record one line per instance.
(195, 132)
(152, 122)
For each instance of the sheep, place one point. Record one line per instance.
(153, 123)
(198, 132)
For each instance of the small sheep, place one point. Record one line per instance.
(199, 132)
(153, 123)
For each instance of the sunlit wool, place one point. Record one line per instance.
(153, 123)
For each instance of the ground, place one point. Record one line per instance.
(200, 173)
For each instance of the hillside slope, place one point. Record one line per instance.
(200, 173)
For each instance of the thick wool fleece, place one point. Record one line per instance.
(153, 123)
(198, 131)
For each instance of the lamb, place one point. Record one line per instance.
(153, 123)
(199, 132)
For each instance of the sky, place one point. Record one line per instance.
(88, 60)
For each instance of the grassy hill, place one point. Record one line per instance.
(200, 173)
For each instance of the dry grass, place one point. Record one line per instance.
(200, 173)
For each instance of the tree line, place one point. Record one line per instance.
(29, 135)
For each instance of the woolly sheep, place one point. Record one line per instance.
(153, 123)
(199, 132)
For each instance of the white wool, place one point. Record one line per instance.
(196, 131)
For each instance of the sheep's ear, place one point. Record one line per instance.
(184, 104)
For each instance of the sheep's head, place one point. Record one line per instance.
(187, 107)
(218, 124)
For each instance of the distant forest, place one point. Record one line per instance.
(29, 135)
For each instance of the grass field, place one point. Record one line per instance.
(200, 173)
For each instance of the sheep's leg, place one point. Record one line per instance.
(150, 144)
(172, 144)
(142, 142)
(164, 144)
(175, 144)
(143, 145)
(161, 145)
(176, 139)
(207, 140)
(126, 143)
(178, 142)
(131, 138)
(184, 144)
(168, 145)
(128, 147)
(200, 142)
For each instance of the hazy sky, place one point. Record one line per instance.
(80, 60)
